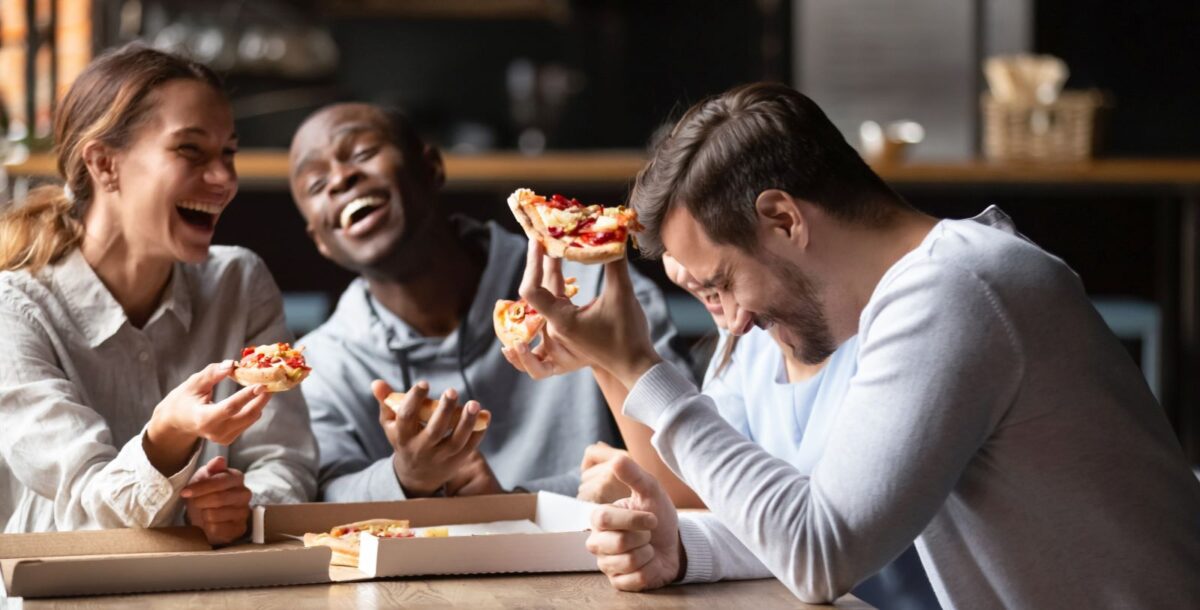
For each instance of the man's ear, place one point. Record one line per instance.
(780, 215)
(437, 167)
(101, 162)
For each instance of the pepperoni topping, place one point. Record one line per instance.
(561, 203)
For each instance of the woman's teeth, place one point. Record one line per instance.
(362, 203)
(199, 206)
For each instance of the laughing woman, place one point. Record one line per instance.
(117, 318)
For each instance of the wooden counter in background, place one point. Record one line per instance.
(259, 168)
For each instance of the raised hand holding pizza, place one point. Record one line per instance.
(550, 357)
(188, 414)
(426, 458)
(610, 333)
(218, 501)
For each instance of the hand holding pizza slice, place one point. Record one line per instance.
(518, 322)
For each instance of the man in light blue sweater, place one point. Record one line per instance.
(993, 417)
(419, 318)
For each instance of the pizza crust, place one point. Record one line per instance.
(344, 550)
(275, 377)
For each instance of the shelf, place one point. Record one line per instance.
(267, 169)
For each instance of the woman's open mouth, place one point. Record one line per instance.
(200, 215)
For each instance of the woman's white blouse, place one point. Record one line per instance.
(78, 382)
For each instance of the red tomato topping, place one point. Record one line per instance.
(601, 238)
(559, 202)
(587, 222)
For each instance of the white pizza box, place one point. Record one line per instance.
(103, 562)
(558, 547)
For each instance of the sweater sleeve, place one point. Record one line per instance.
(61, 449)
(702, 534)
(933, 379)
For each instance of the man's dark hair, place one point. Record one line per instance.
(729, 148)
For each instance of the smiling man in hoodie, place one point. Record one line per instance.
(419, 318)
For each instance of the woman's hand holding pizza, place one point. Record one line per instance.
(188, 414)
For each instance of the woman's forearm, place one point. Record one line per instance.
(637, 442)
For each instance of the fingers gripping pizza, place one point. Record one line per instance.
(277, 366)
(518, 322)
(429, 405)
(568, 229)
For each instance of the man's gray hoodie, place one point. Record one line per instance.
(539, 429)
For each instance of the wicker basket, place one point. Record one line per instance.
(1062, 131)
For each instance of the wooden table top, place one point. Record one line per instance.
(509, 591)
(268, 168)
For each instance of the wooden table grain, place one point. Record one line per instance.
(510, 591)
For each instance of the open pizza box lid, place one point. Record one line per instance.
(559, 546)
(104, 562)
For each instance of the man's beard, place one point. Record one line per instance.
(802, 315)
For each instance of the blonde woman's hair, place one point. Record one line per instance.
(106, 104)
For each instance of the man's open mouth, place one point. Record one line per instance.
(199, 214)
(359, 209)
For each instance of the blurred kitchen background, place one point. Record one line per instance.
(1075, 116)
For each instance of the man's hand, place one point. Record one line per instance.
(218, 501)
(475, 478)
(598, 483)
(426, 458)
(636, 540)
(610, 333)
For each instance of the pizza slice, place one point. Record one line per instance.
(277, 366)
(518, 322)
(345, 550)
(395, 399)
(568, 229)
(344, 542)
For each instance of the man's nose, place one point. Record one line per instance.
(342, 177)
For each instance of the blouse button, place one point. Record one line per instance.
(144, 356)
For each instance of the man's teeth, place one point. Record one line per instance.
(199, 206)
(357, 205)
